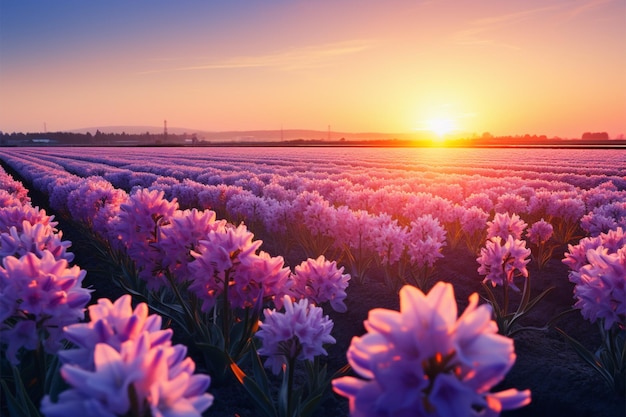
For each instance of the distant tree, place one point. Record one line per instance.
(595, 136)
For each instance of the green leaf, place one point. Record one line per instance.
(310, 405)
(588, 357)
(20, 404)
(259, 371)
(492, 300)
(54, 383)
(537, 299)
(263, 403)
(13, 405)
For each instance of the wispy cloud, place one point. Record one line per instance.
(581, 9)
(483, 31)
(480, 31)
(297, 58)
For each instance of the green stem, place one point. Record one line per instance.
(189, 317)
(41, 366)
(505, 304)
(290, 372)
(226, 314)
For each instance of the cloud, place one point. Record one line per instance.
(584, 8)
(296, 58)
(480, 31)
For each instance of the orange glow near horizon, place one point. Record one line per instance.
(376, 67)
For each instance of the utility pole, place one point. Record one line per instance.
(164, 130)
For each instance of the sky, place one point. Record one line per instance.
(544, 67)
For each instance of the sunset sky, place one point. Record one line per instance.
(507, 67)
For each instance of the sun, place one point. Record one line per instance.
(441, 127)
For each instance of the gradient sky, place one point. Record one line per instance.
(507, 67)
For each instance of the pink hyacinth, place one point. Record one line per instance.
(598, 270)
(34, 238)
(424, 360)
(511, 203)
(127, 364)
(227, 259)
(8, 200)
(426, 238)
(427, 226)
(474, 220)
(390, 242)
(540, 232)
(259, 278)
(181, 236)
(13, 188)
(298, 333)
(479, 200)
(504, 225)
(568, 209)
(16, 215)
(113, 324)
(601, 287)
(39, 295)
(90, 196)
(320, 281)
(576, 256)
(501, 262)
(138, 227)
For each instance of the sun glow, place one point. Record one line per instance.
(441, 127)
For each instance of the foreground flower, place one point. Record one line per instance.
(424, 361)
(598, 270)
(113, 324)
(601, 287)
(320, 280)
(133, 370)
(298, 333)
(38, 296)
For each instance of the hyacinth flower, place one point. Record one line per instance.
(39, 295)
(138, 227)
(390, 250)
(314, 233)
(320, 281)
(16, 215)
(424, 360)
(353, 232)
(539, 236)
(34, 239)
(125, 365)
(501, 262)
(425, 241)
(600, 293)
(296, 335)
(505, 224)
(229, 284)
(565, 214)
(473, 225)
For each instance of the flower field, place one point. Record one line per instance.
(313, 281)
